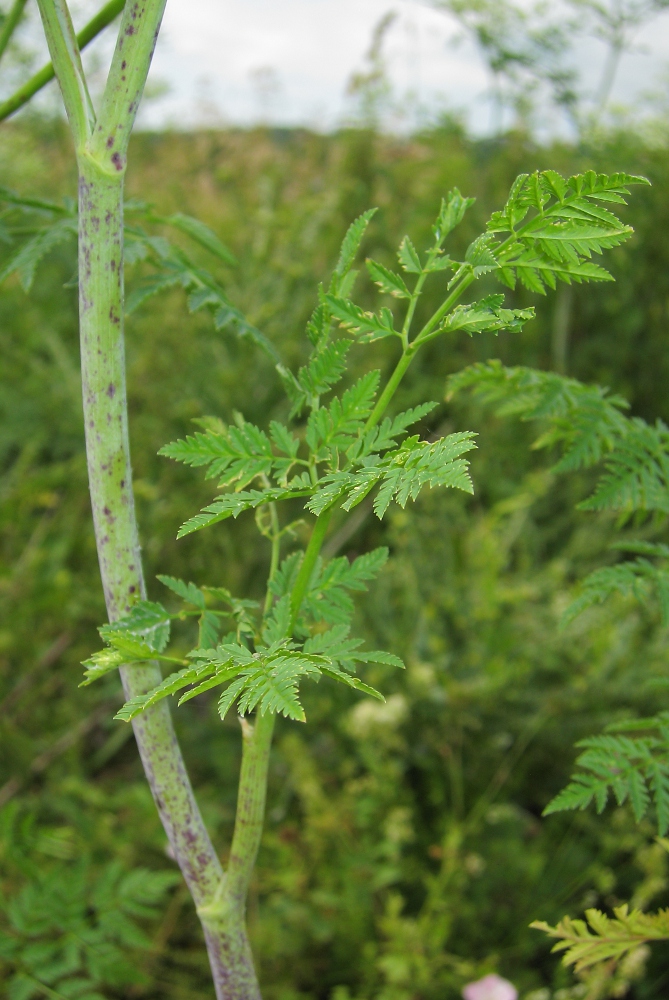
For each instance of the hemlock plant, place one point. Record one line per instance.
(340, 446)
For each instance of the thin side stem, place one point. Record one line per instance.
(46, 74)
(410, 350)
(224, 919)
(390, 388)
(308, 563)
(276, 554)
(66, 59)
(446, 307)
(257, 740)
(10, 25)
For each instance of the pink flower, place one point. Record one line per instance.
(491, 987)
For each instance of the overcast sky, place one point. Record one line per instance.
(288, 62)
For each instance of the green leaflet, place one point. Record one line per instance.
(171, 685)
(337, 426)
(186, 591)
(148, 621)
(366, 326)
(388, 281)
(101, 663)
(202, 235)
(324, 370)
(327, 598)
(346, 652)
(351, 243)
(451, 214)
(238, 453)
(408, 257)
(384, 435)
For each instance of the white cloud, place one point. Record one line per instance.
(217, 55)
(288, 61)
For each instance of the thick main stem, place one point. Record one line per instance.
(101, 156)
(110, 477)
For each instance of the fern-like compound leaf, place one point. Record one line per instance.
(634, 768)
(188, 592)
(238, 454)
(336, 427)
(26, 259)
(555, 225)
(485, 316)
(202, 235)
(234, 504)
(585, 421)
(638, 578)
(400, 474)
(605, 939)
(637, 472)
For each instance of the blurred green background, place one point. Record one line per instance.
(404, 852)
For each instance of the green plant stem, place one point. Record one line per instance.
(276, 554)
(225, 918)
(101, 313)
(110, 479)
(308, 563)
(227, 914)
(10, 24)
(46, 74)
(137, 37)
(391, 387)
(257, 740)
(66, 58)
(426, 333)
(411, 349)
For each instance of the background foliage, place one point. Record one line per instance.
(405, 851)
